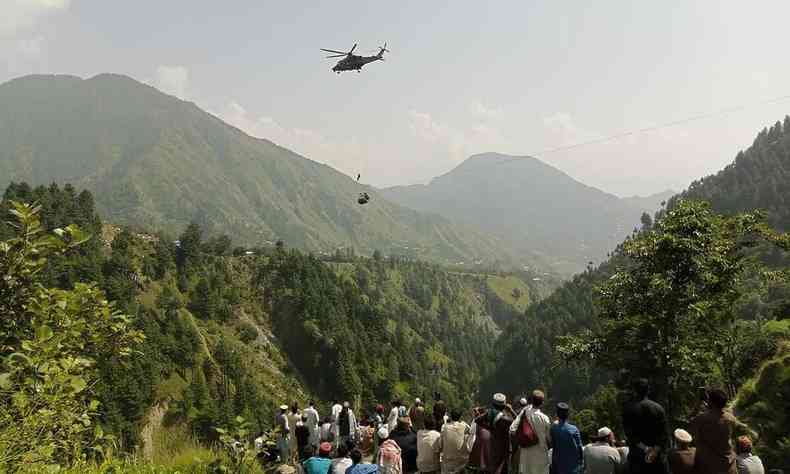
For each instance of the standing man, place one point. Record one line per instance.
(283, 431)
(681, 459)
(566, 441)
(712, 432)
(346, 427)
(601, 457)
(534, 459)
(417, 415)
(490, 438)
(392, 419)
(428, 448)
(452, 444)
(313, 424)
(645, 427)
(439, 410)
(406, 440)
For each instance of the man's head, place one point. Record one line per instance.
(537, 398)
(717, 398)
(304, 418)
(430, 424)
(325, 450)
(499, 400)
(283, 408)
(294, 407)
(743, 445)
(396, 403)
(455, 414)
(356, 456)
(312, 403)
(346, 405)
(404, 423)
(605, 435)
(640, 387)
(682, 437)
(523, 402)
(437, 396)
(563, 410)
(379, 408)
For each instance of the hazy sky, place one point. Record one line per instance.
(463, 77)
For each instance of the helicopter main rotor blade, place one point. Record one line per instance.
(337, 55)
(352, 49)
(333, 51)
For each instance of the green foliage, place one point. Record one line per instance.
(51, 341)
(667, 314)
(370, 329)
(764, 402)
(235, 442)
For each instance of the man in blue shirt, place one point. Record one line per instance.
(566, 440)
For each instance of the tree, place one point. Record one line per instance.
(666, 313)
(51, 340)
(188, 250)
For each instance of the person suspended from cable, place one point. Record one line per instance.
(363, 198)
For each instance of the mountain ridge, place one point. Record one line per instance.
(529, 204)
(159, 162)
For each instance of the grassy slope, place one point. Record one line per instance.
(504, 287)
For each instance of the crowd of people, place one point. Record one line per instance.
(503, 439)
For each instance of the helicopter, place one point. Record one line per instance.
(352, 62)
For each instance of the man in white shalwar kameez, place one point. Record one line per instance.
(534, 459)
(312, 423)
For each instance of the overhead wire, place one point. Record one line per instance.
(652, 128)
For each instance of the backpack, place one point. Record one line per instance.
(525, 435)
(389, 460)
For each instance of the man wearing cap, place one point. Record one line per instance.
(283, 430)
(489, 442)
(681, 459)
(319, 464)
(567, 452)
(600, 457)
(534, 459)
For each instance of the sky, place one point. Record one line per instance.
(463, 77)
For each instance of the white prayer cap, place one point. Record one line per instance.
(523, 402)
(500, 398)
(346, 404)
(682, 435)
(383, 432)
(283, 407)
(603, 432)
(417, 400)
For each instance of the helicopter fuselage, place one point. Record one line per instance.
(354, 63)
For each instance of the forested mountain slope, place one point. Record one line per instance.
(758, 178)
(157, 163)
(535, 207)
(231, 334)
(526, 357)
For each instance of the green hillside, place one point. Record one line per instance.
(157, 163)
(229, 336)
(529, 356)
